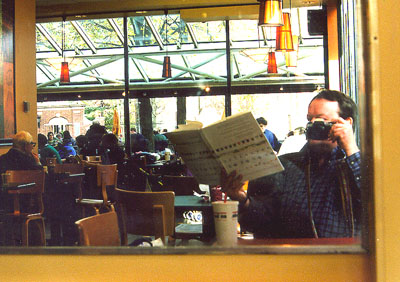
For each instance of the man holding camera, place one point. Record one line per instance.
(318, 193)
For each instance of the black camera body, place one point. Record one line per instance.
(318, 130)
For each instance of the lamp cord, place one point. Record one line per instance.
(63, 39)
(166, 35)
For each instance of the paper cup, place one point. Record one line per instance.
(226, 220)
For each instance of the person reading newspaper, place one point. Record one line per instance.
(318, 193)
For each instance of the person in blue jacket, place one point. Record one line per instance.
(275, 144)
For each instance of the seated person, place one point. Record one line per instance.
(160, 141)
(46, 150)
(319, 192)
(94, 135)
(67, 135)
(65, 149)
(275, 144)
(82, 144)
(20, 156)
(52, 140)
(138, 142)
(112, 153)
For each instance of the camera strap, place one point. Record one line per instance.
(310, 213)
(344, 192)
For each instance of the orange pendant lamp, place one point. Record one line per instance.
(64, 76)
(291, 56)
(272, 67)
(166, 72)
(284, 40)
(270, 13)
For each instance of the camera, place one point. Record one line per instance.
(318, 130)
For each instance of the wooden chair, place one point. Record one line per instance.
(99, 230)
(107, 176)
(51, 162)
(65, 187)
(146, 214)
(31, 210)
(181, 185)
(93, 159)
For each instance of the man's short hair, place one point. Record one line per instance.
(42, 140)
(21, 139)
(347, 107)
(133, 129)
(262, 121)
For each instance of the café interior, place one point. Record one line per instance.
(209, 57)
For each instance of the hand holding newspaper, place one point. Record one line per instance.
(234, 143)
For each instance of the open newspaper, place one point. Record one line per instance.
(234, 143)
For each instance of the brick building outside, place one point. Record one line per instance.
(57, 117)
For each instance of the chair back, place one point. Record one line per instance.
(181, 185)
(28, 176)
(107, 175)
(72, 168)
(99, 230)
(93, 159)
(146, 213)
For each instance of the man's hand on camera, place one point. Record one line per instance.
(342, 132)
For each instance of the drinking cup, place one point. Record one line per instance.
(226, 221)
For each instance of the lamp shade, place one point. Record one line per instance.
(284, 41)
(270, 13)
(166, 71)
(272, 67)
(64, 77)
(291, 56)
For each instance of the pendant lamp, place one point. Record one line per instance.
(64, 76)
(272, 67)
(270, 13)
(284, 41)
(166, 72)
(291, 56)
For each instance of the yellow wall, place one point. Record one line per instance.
(384, 46)
(384, 26)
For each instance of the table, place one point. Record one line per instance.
(189, 203)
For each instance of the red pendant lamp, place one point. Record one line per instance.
(64, 76)
(166, 72)
(272, 67)
(270, 13)
(284, 41)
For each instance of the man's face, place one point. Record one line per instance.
(29, 147)
(263, 127)
(328, 111)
